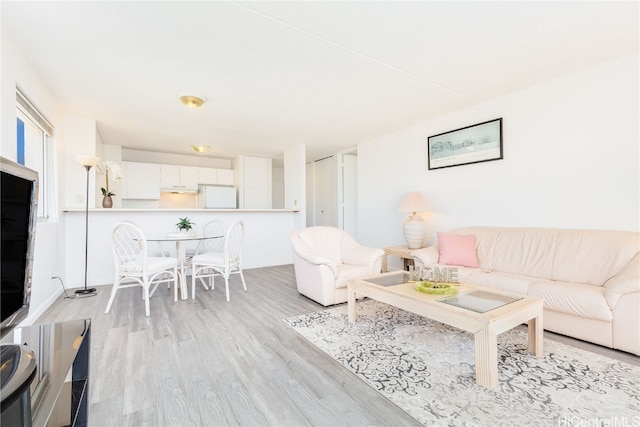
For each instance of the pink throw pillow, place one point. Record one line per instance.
(458, 249)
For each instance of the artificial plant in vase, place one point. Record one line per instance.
(116, 174)
(185, 225)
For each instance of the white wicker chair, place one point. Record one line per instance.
(132, 262)
(212, 229)
(224, 263)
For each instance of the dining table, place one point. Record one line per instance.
(184, 262)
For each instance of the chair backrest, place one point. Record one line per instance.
(129, 248)
(323, 240)
(213, 228)
(233, 243)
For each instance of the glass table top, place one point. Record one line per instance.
(391, 279)
(479, 301)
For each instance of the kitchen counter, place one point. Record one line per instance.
(266, 241)
(175, 210)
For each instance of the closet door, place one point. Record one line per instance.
(326, 191)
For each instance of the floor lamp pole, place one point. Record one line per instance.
(86, 291)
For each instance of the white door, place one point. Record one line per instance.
(326, 191)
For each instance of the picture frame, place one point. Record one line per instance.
(477, 143)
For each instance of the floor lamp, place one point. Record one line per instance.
(88, 162)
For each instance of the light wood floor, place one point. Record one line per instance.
(208, 362)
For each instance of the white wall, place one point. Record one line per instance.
(295, 196)
(81, 138)
(16, 71)
(571, 159)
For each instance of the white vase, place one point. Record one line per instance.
(414, 229)
(181, 234)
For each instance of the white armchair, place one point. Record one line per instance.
(326, 258)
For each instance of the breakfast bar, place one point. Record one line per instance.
(266, 239)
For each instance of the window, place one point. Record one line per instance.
(33, 149)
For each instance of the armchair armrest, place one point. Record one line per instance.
(428, 256)
(625, 282)
(309, 255)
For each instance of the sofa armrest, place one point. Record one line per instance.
(625, 282)
(362, 255)
(427, 256)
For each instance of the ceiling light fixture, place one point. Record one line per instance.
(200, 148)
(191, 101)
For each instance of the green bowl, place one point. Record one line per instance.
(436, 288)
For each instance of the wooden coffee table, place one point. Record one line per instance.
(485, 326)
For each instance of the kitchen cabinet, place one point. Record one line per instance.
(225, 177)
(213, 176)
(177, 178)
(253, 177)
(140, 181)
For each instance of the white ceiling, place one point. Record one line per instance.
(276, 74)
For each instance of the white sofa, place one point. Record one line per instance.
(326, 258)
(589, 279)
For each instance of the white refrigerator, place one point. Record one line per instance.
(218, 197)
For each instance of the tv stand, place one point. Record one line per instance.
(60, 391)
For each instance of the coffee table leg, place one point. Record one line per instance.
(486, 346)
(536, 336)
(351, 304)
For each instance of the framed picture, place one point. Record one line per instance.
(472, 144)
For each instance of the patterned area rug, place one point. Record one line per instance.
(427, 369)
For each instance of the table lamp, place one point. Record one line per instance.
(414, 227)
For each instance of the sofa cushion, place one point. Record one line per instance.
(525, 251)
(506, 282)
(573, 298)
(457, 250)
(579, 256)
(592, 256)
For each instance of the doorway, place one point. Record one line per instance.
(332, 186)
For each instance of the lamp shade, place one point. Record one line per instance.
(413, 202)
(90, 161)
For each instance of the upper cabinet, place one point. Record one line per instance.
(145, 181)
(253, 176)
(178, 178)
(140, 181)
(212, 176)
(225, 177)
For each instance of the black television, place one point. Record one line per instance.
(18, 209)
